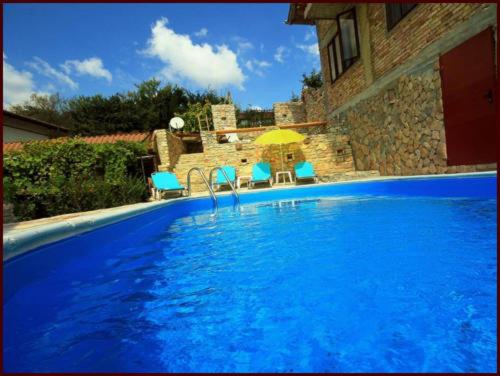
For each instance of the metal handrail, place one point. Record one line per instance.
(209, 186)
(227, 179)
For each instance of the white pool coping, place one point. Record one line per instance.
(22, 239)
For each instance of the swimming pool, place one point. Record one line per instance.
(382, 276)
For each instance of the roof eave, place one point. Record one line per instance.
(294, 18)
(33, 120)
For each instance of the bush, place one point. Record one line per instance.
(294, 97)
(313, 80)
(46, 179)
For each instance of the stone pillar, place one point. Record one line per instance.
(289, 112)
(224, 116)
(169, 148)
(161, 148)
(365, 42)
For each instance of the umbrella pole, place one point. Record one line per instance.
(281, 155)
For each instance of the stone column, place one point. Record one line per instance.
(289, 112)
(224, 116)
(161, 148)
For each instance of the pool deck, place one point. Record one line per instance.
(21, 237)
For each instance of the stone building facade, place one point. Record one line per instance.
(389, 100)
(314, 104)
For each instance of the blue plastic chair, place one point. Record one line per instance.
(166, 181)
(305, 171)
(221, 180)
(261, 172)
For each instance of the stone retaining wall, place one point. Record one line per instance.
(328, 151)
(168, 148)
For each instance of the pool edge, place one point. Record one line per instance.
(18, 242)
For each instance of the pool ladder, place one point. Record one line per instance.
(209, 185)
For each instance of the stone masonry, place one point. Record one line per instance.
(224, 116)
(289, 112)
(330, 153)
(400, 130)
(168, 148)
(314, 103)
(389, 102)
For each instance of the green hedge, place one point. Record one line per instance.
(46, 179)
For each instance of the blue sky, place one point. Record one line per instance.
(91, 49)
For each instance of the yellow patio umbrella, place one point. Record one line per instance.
(279, 137)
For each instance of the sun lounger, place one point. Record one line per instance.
(221, 180)
(305, 171)
(261, 173)
(166, 181)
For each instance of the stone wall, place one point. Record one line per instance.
(400, 130)
(327, 150)
(224, 116)
(314, 103)
(168, 148)
(346, 86)
(330, 153)
(289, 112)
(176, 147)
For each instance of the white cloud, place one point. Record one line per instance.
(44, 68)
(17, 86)
(92, 67)
(311, 49)
(279, 55)
(203, 64)
(262, 63)
(245, 45)
(256, 66)
(203, 32)
(242, 45)
(249, 65)
(310, 34)
(50, 87)
(258, 108)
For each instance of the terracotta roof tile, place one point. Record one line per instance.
(104, 139)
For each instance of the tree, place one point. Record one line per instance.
(294, 97)
(149, 106)
(49, 108)
(313, 80)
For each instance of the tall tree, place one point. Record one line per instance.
(149, 106)
(49, 108)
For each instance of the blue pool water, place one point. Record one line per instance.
(392, 276)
